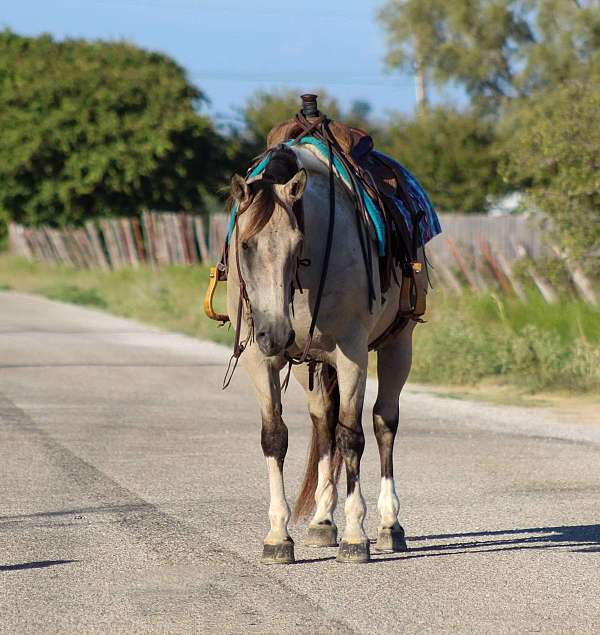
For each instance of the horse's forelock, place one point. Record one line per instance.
(281, 168)
(259, 212)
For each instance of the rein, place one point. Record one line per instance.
(411, 303)
(239, 347)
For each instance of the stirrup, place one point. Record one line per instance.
(213, 280)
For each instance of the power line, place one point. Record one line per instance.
(293, 79)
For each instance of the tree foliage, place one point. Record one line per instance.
(90, 128)
(476, 43)
(553, 149)
(494, 48)
(452, 154)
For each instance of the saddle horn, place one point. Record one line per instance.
(309, 105)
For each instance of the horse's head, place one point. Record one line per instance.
(268, 242)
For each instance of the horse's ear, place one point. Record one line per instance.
(294, 188)
(239, 188)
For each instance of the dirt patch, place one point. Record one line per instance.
(567, 407)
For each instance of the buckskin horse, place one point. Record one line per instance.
(306, 295)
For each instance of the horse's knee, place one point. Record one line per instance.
(274, 438)
(351, 442)
(385, 421)
(385, 432)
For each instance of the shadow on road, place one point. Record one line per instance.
(42, 564)
(577, 538)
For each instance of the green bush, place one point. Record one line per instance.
(552, 142)
(533, 345)
(94, 128)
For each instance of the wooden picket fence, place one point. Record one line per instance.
(474, 251)
(157, 238)
(480, 252)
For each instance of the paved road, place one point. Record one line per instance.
(133, 499)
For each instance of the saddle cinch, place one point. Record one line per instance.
(385, 183)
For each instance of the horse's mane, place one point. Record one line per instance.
(281, 168)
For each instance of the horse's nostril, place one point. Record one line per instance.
(291, 338)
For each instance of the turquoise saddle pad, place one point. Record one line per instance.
(429, 225)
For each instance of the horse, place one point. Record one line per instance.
(276, 257)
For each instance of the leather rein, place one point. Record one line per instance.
(319, 127)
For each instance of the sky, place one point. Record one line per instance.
(231, 48)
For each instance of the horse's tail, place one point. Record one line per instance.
(306, 499)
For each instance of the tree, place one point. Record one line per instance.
(452, 154)
(567, 43)
(476, 43)
(414, 29)
(91, 128)
(553, 149)
(495, 49)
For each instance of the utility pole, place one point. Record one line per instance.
(421, 82)
(420, 78)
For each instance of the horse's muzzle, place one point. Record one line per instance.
(271, 344)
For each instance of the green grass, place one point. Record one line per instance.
(468, 340)
(532, 345)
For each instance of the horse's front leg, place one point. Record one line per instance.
(351, 362)
(278, 546)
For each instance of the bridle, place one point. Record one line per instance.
(298, 214)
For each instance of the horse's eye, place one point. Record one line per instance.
(244, 245)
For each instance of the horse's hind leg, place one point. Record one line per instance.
(320, 480)
(278, 546)
(393, 366)
(351, 362)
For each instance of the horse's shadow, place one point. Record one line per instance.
(576, 538)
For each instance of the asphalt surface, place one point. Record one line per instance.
(133, 498)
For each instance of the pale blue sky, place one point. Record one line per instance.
(230, 48)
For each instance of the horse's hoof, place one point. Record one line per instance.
(357, 553)
(321, 536)
(282, 553)
(390, 540)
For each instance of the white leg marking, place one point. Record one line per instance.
(388, 504)
(356, 510)
(325, 494)
(279, 510)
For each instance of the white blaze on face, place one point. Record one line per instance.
(388, 503)
(325, 494)
(356, 510)
(279, 510)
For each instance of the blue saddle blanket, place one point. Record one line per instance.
(429, 224)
